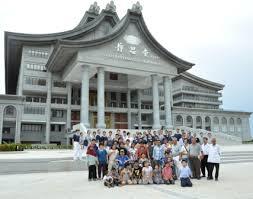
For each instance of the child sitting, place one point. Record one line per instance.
(157, 175)
(167, 174)
(126, 174)
(142, 160)
(115, 175)
(108, 180)
(185, 174)
(173, 166)
(147, 173)
(137, 171)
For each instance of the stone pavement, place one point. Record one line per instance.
(235, 182)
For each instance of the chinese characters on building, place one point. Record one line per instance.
(120, 47)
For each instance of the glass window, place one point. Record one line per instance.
(113, 76)
(123, 97)
(113, 96)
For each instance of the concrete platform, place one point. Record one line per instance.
(235, 182)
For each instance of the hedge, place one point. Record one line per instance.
(21, 147)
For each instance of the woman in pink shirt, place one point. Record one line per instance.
(167, 174)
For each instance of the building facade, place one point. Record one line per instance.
(104, 73)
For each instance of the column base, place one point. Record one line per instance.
(101, 126)
(156, 126)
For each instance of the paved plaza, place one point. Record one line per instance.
(235, 182)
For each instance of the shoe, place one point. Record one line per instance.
(209, 178)
(216, 179)
(198, 178)
(203, 176)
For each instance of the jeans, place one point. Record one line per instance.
(102, 168)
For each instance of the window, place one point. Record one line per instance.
(10, 110)
(36, 99)
(144, 117)
(113, 96)
(31, 127)
(34, 110)
(123, 97)
(38, 53)
(57, 113)
(113, 76)
(59, 84)
(35, 81)
(36, 67)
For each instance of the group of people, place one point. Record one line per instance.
(148, 157)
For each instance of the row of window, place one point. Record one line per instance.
(149, 92)
(35, 81)
(57, 113)
(57, 128)
(34, 110)
(31, 127)
(36, 99)
(38, 53)
(59, 84)
(37, 67)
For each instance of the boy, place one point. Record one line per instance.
(185, 174)
(102, 160)
(92, 163)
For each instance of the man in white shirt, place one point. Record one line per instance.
(204, 156)
(214, 159)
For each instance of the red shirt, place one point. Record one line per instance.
(141, 150)
(167, 173)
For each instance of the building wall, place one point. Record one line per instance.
(33, 109)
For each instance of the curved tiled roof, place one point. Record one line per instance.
(63, 45)
(15, 41)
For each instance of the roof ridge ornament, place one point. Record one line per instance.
(111, 7)
(94, 8)
(137, 8)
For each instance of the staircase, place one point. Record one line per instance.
(222, 138)
(237, 157)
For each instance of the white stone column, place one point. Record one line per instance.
(203, 122)
(155, 91)
(48, 108)
(101, 98)
(85, 97)
(139, 109)
(18, 125)
(167, 101)
(129, 109)
(1, 123)
(68, 123)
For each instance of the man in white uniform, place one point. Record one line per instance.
(77, 146)
(214, 159)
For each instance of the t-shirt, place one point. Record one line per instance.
(137, 173)
(122, 160)
(167, 173)
(184, 172)
(194, 149)
(102, 156)
(107, 178)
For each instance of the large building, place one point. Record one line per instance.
(105, 73)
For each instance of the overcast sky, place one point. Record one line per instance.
(216, 35)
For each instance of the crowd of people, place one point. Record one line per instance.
(148, 157)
